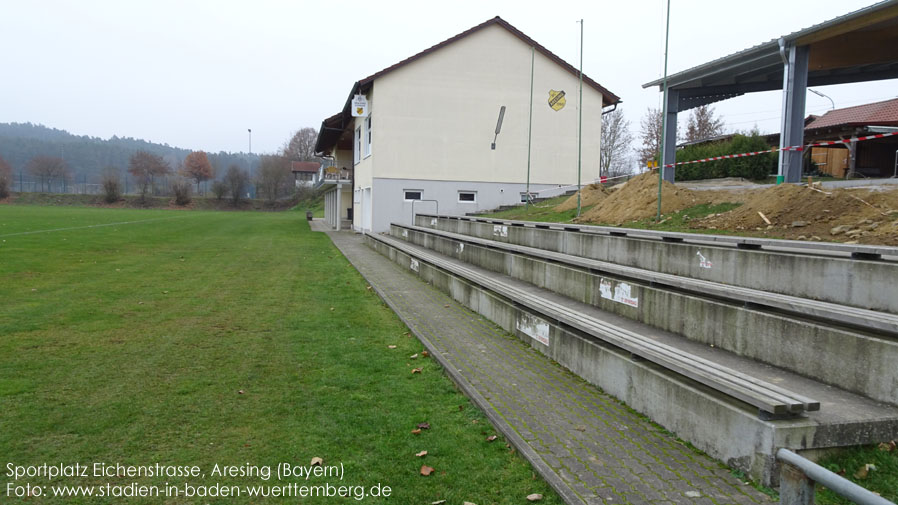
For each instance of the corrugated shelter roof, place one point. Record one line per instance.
(856, 47)
(871, 114)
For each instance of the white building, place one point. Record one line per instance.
(418, 136)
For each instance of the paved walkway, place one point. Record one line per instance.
(589, 447)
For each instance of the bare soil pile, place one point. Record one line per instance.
(638, 199)
(591, 195)
(798, 212)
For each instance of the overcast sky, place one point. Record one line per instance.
(197, 74)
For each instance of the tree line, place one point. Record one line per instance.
(618, 151)
(156, 172)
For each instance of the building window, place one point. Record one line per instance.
(467, 197)
(358, 144)
(368, 136)
(413, 194)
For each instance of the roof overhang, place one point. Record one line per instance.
(857, 47)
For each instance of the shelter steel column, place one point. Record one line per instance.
(670, 138)
(795, 85)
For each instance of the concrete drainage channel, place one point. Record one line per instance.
(620, 325)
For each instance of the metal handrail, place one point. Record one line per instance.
(797, 487)
(423, 200)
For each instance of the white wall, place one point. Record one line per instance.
(435, 117)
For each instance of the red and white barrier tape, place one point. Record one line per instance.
(789, 148)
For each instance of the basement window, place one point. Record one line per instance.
(412, 194)
(467, 197)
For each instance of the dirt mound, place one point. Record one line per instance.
(638, 199)
(798, 212)
(592, 194)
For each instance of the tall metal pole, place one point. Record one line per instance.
(250, 131)
(530, 126)
(580, 120)
(664, 113)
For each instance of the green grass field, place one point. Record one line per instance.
(203, 338)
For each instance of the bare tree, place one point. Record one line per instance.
(650, 135)
(5, 178)
(236, 181)
(112, 185)
(145, 167)
(48, 169)
(616, 144)
(301, 146)
(703, 125)
(273, 179)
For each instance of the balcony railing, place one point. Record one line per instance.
(333, 176)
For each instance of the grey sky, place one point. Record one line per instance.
(198, 74)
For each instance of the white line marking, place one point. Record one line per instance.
(90, 226)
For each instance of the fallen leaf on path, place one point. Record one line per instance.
(424, 426)
(421, 454)
(426, 470)
(316, 461)
(438, 502)
(693, 494)
(413, 356)
(416, 432)
(424, 354)
(534, 497)
(240, 392)
(491, 438)
(416, 370)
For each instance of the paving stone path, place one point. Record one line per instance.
(588, 446)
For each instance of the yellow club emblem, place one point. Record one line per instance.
(556, 99)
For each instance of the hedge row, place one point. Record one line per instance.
(751, 167)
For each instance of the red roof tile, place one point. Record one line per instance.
(304, 166)
(871, 114)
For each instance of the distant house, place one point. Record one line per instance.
(305, 173)
(422, 134)
(870, 158)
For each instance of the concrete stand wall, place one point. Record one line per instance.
(851, 360)
(721, 426)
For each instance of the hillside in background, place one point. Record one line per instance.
(86, 157)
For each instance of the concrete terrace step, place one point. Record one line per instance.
(724, 427)
(870, 320)
(767, 397)
(733, 319)
(824, 274)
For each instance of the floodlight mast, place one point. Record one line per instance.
(664, 114)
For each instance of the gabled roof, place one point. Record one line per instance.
(329, 135)
(304, 166)
(871, 114)
(608, 98)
